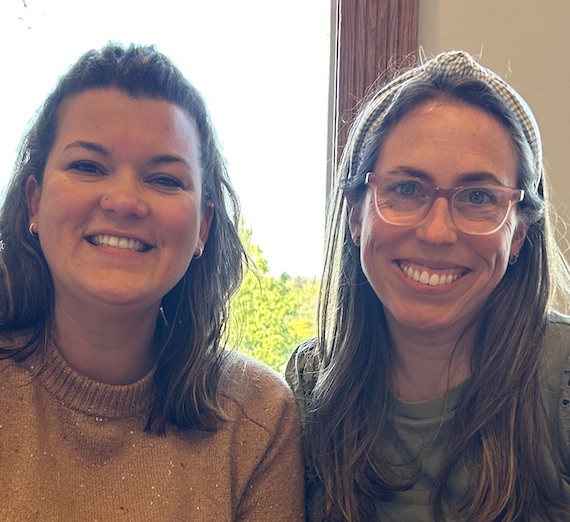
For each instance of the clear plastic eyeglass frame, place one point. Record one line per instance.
(474, 217)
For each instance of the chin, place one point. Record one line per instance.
(429, 323)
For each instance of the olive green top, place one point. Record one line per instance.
(416, 433)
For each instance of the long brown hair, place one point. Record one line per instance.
(500, 412)
(196, 309)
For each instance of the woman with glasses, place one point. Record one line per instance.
(438, 386)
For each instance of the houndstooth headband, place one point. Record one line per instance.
(452, 63)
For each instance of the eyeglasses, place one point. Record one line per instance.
(475, 209)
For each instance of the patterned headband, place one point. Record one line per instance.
(453, 63)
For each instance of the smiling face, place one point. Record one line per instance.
(119, 212)
(432, 277)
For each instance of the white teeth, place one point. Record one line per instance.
(426, 279)
(123, 243)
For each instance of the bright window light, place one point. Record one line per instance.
(262, 65)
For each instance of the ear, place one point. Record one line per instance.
(354, 221)
(33, 192)
(519, 237)
(205, 224)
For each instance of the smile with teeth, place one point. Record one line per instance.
(124, 243)
(425, 278)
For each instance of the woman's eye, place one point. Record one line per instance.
(86, 167)
(480, 196)
(167, 181)
(406, 189)
(401, 189)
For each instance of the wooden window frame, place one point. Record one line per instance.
(368, 37)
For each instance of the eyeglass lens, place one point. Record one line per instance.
(474, 209)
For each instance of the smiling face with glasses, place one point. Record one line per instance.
(438, 222)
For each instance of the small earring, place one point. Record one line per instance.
(31, 230)
(513, 258)
(199, 252)
(356, 240)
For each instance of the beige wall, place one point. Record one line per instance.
(528, 43)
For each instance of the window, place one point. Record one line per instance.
(263, 67)
(371, 37)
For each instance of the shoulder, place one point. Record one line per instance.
(558, 325)
(301, 374)
(262, 440)
(555, 381)
(19, 346)
(556, 348)
(256, 392)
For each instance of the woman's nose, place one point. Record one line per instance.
(123, 198)
(438, 227)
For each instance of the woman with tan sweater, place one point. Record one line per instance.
(119, 255)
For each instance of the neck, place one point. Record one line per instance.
(111, 348)
(426, 366)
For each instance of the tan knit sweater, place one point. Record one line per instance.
(72, 449)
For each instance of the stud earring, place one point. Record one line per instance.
(199, 252)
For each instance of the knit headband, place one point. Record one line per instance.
(457, 64)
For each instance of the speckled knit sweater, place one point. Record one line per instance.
(72, 449)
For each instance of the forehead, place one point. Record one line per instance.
(449, 139)
(110, 115)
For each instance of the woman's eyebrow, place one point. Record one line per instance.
(477, 177)
(413, 172)
(168, 158)
(89, 145)
(466, 177)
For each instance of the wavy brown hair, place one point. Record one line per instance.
(195, 311)
(500, 420)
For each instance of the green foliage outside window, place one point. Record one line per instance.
(271, 316)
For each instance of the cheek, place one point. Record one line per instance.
(502, 241)
(493, 251)
(182, 224)
(375, 232)
(60, 196)
(376, 244)
(59, 210)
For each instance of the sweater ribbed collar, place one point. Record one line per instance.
(82, 394)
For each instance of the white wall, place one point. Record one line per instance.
(528, 43)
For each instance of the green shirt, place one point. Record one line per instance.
(416, 433)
